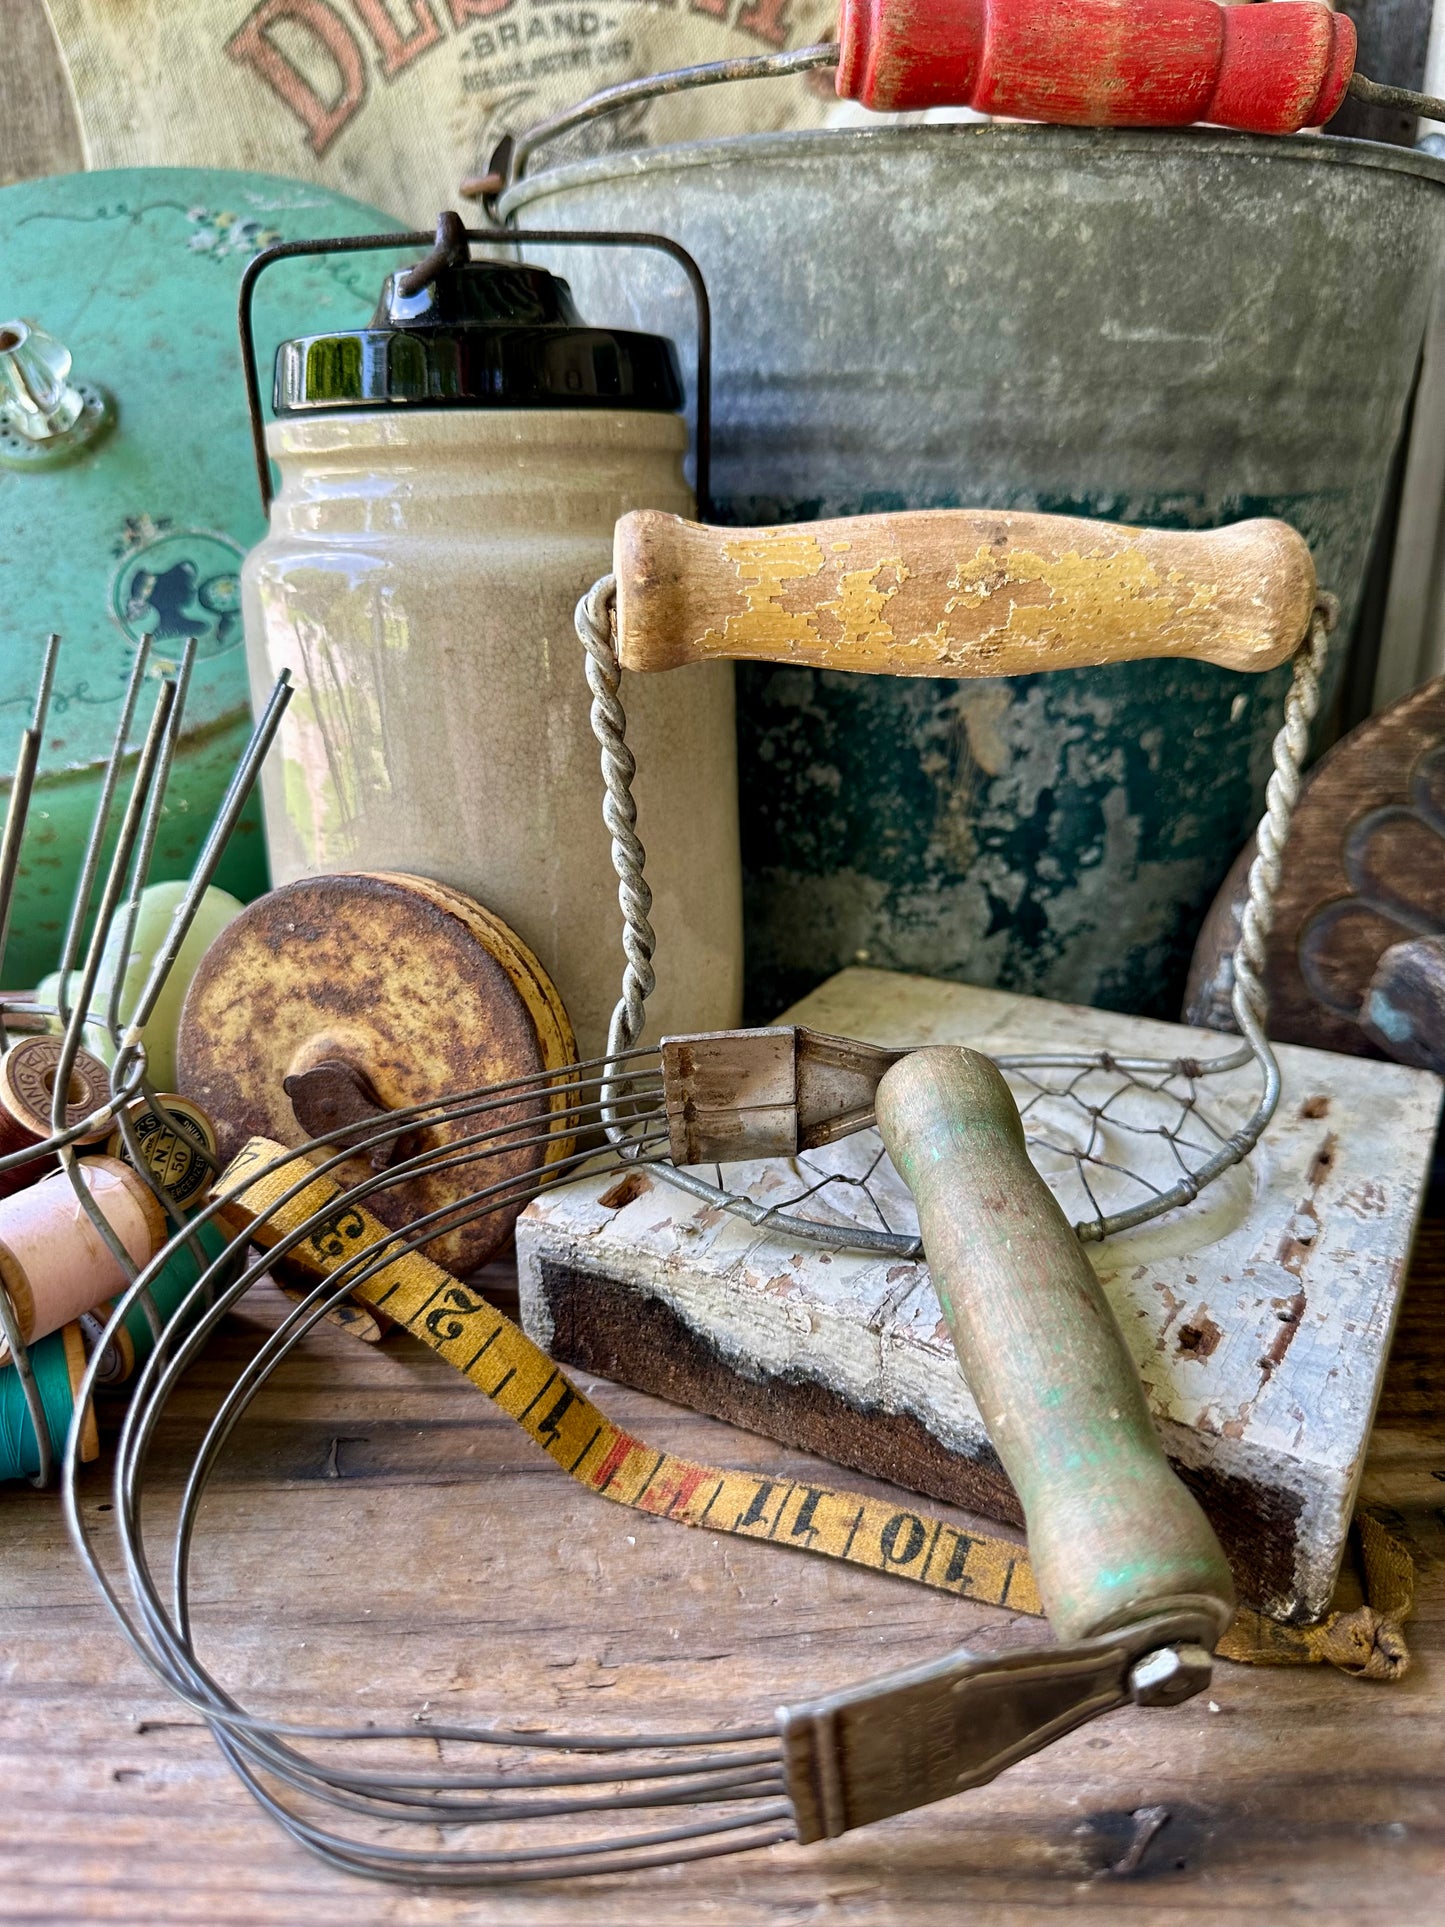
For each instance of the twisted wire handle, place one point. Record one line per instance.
(596, 629)
(1249, 999)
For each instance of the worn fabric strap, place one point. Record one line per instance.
(483, 1344)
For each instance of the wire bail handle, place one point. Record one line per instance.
(449, 245)
(1253, 76)
(510, 156)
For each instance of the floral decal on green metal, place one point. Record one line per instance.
(173, 583)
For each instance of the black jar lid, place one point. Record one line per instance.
(476, 334)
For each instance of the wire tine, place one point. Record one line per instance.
(122, 937)
(724, 1775)
(349, 1140)
(480, 1097)
(99, 825)
(150, 829)
(25, 1371)
(17, 811)
(47, 682)
(752, 1785)
(237, 795)
(75, 1029)
(361, 1266)
(136, 805)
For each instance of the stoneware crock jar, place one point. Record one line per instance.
(449, 480)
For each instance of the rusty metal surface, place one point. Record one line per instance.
(402, 980)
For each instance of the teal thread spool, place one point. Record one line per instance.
(168, 1289)
(57, 1362)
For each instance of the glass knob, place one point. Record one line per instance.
(37, 397)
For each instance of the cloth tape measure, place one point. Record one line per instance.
(461, 1326)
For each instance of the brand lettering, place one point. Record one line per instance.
(398, 48)
(464, 10)
(338, 35)
(254, 46)
(766, 20)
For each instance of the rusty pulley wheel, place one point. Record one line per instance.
(338, 998)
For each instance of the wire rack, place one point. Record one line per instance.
(1108, 1141)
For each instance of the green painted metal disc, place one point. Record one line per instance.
(144, 529)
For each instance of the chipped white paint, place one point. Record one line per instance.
(1260, 1318)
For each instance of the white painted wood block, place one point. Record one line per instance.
(1260, 1317)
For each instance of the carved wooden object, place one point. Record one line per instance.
(1364, 870)
(1404, 1007)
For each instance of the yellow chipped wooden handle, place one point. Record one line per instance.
(958, 592)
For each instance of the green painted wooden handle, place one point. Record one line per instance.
(1114, 1535)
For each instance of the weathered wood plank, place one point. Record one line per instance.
(1259, 1317)
(1305, 1799)
(39, 127)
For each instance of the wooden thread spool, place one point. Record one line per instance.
(54, 1262)
(27, 1086)
(118, 1362)
(57, 1362)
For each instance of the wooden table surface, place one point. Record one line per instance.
(379, 1540)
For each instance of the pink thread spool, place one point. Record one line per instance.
(27, 1086)
(54, 1262)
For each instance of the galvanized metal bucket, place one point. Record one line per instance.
(1177, 329)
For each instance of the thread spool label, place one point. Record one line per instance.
(28, 1072)
(178, 1143)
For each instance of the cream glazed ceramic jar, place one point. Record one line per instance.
(419, 581)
